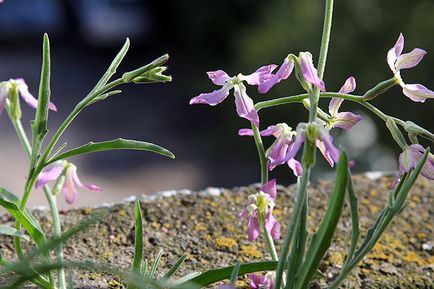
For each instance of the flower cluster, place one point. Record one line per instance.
(259, 211)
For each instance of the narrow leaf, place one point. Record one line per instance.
(215, 275)
(355, 227)
(111, 70)
(235, 272)
(6, 230)
(116, 144)
(322, 239)
(175, 267)
(138, 241)
(11, 203)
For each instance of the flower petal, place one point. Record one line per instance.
(28, 97)
(277, 152)
(91, 187)
(260, 75)
(218, 77)
(334, 105)
(296, 167)
(409, 60)
(395, 52)
(327, 148)
(346, 120)
(417, 92)
(272, 129)
(49, 174)
(244, 104)
(69, 192)
(272, 225)
(284, 72)
(253, 228)
(428, 169)
(349, 85)
(270, 188)
(2, 104)
(409, 157)
(295, 146)
(310, 74)
(212, 98)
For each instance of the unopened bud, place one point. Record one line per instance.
(396, 133)
(380, 88)
(129, 76)
(154, 75)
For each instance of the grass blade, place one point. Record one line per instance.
(235, 272)
(138, 243)
(174, 268)
(6, 230)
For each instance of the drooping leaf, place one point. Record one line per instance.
(322, 239)
(6, 230)
(116, 144)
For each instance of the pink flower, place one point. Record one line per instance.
(284, 72)
(259, 212)
(277, 152)
(344, 120)
(398, 61)
(408, 160)
(19, 86)
(309, 72)
(260, 282)
(244, 104)
(63, 168)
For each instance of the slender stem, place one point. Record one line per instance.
(327, 28)
(280, 101)
(261, 152)
(51, 200)
(270, 243)
(294, 220)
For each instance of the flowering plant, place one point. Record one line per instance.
(298, 258)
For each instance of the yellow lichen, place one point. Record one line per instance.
(415, 258)
(230, 227)
(201, 227)
(251, 251)
(224, 242)
(155, 225)
(336, 258)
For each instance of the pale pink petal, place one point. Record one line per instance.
(295, 147)
(49, 174)
(69, 192)
(320, 145)
(259, 282)
(218, 77)
(244, 104)
(409, 60)
(395, 52)
(253, 228)
(212, 98)
(260, 75)
(272, 129)
(296, 167)
(28, 97)
(310, 74)
(77, 181)
(346, 120)
(417, 92)
(349, 85)
(2, 104)
(409, 157)
(272, 225)
(270, 188)
(244, 213)
(277, 152)
(334, 105)
(283, 73)
(428, 169)
(245, 132)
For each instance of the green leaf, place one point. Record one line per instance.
(12, 204)
(116, 144)
(39, 125)
(215, 275)
(174, 268)
(6, 230)
(322, 239)
(138, 241)
(111, 70)
(235, 273)
(355, 230)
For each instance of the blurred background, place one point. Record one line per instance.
(233, 35)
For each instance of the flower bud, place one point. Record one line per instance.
(154, 75)
(130, 76)
(396, 133)
(380, 88)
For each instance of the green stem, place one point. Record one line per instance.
(51, 200)
(78, 108)
(270, 243)
(294, 220)
(262, 156)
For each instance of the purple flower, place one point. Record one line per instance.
(309, 72)
(408, 160)
(324, 142)
(398, 61)
(344, 120)
(260, 282)
(259, 212)
(244, 104)
(277, 152)
(21, 87)
(284, 72)
(63, 168)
